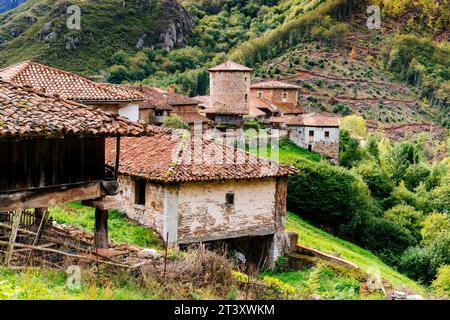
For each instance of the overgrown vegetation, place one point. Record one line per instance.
(392, 202)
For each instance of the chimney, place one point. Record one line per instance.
(171, 89)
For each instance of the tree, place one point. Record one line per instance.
(433, 226)
(406, 216)
(118, 74)
(442, 282)
(377, 180)
(174, 122)
(355, 125)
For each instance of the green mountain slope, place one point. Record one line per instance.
(38, 30)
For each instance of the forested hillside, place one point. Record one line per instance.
(38, 30)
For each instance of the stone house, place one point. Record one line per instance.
(317, 132)
(273, 99)
(229, 99)
(70, 86)
(159, 104)
(196, 190)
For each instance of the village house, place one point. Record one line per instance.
(72, 87)
(314, 131)
(229, 99)
(273, 99)
(194, 190)
(53, 152)
(159, 104)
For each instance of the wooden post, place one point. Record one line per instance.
(116, 168)
(39, 214)
(42, 224)
(12, 237)
(101, 229)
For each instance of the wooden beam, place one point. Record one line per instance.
(102, 204)
(101, 229)
(49, 196)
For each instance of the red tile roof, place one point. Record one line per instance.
(273, 84)
(175, 99)
(230, 66)
(255, 107)
(25, 112)
(191, 116)
(169, 158)
(311, 120)
(287, 107)
(68, 85)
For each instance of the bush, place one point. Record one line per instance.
(174, 122)
(416, 174)
(442, 283)
(326, 194)
(434, 226)
(407, 216)
(386, 238)
(375, 177)
(341, 108)
(422, 262)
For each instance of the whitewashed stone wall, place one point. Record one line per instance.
(150, 215)
(326, 146)
(204, 214)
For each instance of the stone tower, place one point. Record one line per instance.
(230, 87)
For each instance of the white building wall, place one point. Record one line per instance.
(204, 214)
(130, 111)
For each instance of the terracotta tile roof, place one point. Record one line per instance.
(204, 101)
(311, 119)
(262, 103)
(26, 112)
(230, 66)
(191, 116)
(256, 104)
(287, 107)
(124, 90)
(169, 158)
(68, 85)
(175, 99)
(273, 84)
(319, 120)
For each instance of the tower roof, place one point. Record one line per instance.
(230, 66)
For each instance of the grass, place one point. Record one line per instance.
(321, 240)
(288, 152)
(52, 285)
(120, 228)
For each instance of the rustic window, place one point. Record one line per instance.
(140, 192)
(246, 98)
(229, 199)
(327, 134)
(285, 96)
(311, 133)
(159, 113)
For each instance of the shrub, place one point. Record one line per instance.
(341, 108)
(375, 178)
(327, 194)
(422, 262)
(407, 216)
(416, 174)
(442, 282)
(174, 122)
(434, 226)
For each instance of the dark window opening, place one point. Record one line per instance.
(327, 134)
(246, 98)
(140, 192)
(230, 199)
(311, 133)
(159, 113)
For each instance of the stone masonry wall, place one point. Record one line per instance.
(204, 214)
(230, 88)
(276, 94)
(150, 215)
